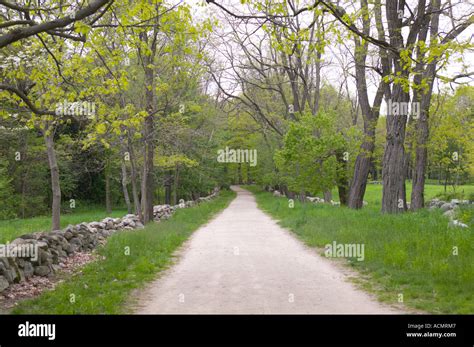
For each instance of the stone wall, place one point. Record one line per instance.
(54, 247)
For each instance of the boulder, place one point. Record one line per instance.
(42, 270)
(446, 206)
(4, 284)
(28, 270)
(68, 235)
(276, 193)
(450, 214)
(456, 223)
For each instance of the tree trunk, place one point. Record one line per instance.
(168, 188)
(148, 130)
(134, 179)
(327, 195)
(176, 186)
(108, 203)
(370, 114)
(240, 173)
(55, 185)
(422, 127)
(342, 180)
(125, 189)
(394, 169)
(361, 172)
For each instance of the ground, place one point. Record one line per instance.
(244, 262)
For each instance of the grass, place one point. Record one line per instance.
(104, 286)
(12, 228)
(373, 193)
(409, 254)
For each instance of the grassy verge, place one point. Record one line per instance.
(373, 194)
(103, 286)
(409, 254)
(12, 228)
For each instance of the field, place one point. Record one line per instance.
(413, 254)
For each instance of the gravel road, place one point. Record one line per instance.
(242, 261)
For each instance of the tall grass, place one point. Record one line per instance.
(409, 254)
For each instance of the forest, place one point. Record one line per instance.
(256, 126)
(128, 103)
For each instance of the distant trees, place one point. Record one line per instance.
(411, 44)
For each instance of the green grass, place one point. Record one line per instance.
(103, 287)
(411, 253)
(373, 194)
(12, 228)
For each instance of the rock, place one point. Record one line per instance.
(28, 236)
(18, 241)
(97, 225)
(455, 202)
(4, 266)
(276, 193)
(433, 202)
(42, 245)
(42, 270)
(139, 225)
(69, 249)
(450, 214)
(446, 206)
(6, 270)
(28, 270)
(109, 225)
(364, 203)
(456, 223)
(10, 275)
(4, 284)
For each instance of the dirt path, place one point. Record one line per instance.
(244, 262)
